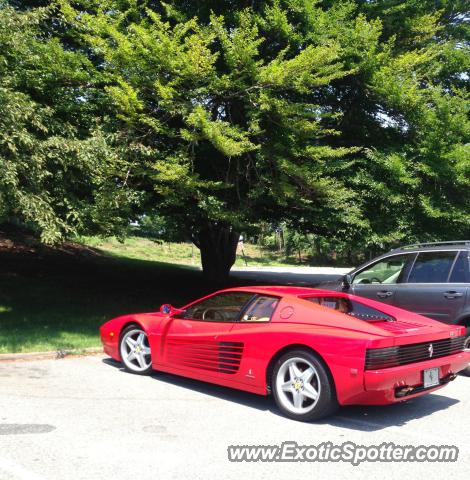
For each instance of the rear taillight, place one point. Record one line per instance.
(377, 358)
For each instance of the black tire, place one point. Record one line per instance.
(325, 403)
(466, 371)
(134, 366)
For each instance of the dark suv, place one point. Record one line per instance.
(432, 279)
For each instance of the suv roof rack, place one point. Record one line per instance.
(464, 243)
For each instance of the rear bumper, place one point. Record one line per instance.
(382, 386)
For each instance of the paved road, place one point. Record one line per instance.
(85, 418)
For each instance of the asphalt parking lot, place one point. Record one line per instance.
(85, 418)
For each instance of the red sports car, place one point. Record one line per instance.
(311, 349)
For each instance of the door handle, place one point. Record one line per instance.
(384, 294)
(452, 294)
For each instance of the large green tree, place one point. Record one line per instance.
(221, 111)
(344, 119)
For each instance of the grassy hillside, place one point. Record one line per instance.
(181, 253)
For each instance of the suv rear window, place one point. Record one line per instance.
(432, 267)
(461, 271)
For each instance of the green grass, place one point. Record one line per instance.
(58, 302)
(181, 253)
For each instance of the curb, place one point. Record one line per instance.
(58, 354)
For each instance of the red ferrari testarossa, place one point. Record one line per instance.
(311, 349)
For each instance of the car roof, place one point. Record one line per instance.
(455, 246)
(434, 246)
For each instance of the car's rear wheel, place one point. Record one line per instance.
(466, 371)
(135, 350)
(302, 387)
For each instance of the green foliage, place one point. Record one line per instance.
(56, 165)
(345, 120)
(229, 127)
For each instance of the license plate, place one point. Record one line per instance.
(431, 377)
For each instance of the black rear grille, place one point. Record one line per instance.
(377, 358)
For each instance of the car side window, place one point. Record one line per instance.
(388, 271)
(461, 271)
(261, 309)
(222, 307)
(432, 267)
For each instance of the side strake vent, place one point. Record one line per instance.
(377, 358)
(223, 357)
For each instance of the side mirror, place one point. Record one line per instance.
(168, 309)
(346, 281)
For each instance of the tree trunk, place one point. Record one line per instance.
(282, 243)
(218, 245)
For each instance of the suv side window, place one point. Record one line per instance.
(461, 271)
(388, 270)
(432, 267)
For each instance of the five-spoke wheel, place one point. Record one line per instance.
(298, 385)
(302, 387)
(135, 350)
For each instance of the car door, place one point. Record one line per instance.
(433, 286)
(382, 279)
(251, 330)
(196, 341)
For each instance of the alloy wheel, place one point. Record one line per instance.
(135, 350)
(298, 385)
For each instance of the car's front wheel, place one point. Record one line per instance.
(135, 350)
(302, 387)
